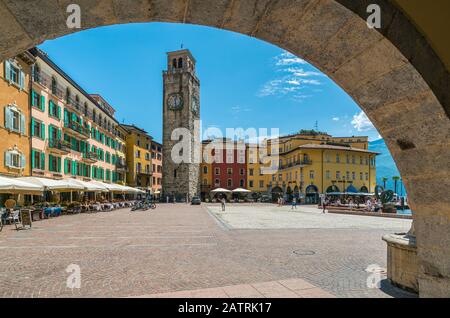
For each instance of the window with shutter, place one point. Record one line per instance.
(50, 163)
(8, 71)
(42, 161)
(33, 153)
(42, 105)
(7, 118)
(42, 131)
(7, 159)
(66, 166)
(22, 124)
(22, 80)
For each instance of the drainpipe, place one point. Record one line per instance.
(28, 124)
(322, 170)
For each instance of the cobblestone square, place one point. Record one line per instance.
(180, 248)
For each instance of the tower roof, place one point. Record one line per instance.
(182, 52)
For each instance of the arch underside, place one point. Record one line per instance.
(384, 71)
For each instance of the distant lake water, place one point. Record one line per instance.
(404, 212)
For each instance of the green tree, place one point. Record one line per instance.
(396, 179)
(384, 179)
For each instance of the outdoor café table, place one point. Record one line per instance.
(37, 212)
(96, 207)
(107, 206)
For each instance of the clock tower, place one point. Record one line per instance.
(181, 109)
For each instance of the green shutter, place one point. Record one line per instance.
(58, 112)
(32, 159)
(42, 131)
(50, 108)
(32, 127)
(74, 168)
(42, 161)
(59, 134)
(50, 132)
(66, 166)
(42, 103)
(50, 163)
(33, 98)
(59, 164)
(66, 118)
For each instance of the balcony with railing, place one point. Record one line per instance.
(146, 172)
(60, 146)
(90, 157)
(303, 162)
(121, 166)
(78, 129)
(46, 81)
(74, 104)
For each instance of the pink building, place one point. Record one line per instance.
(72, 134)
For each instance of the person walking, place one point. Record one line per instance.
(223, 201)
(324, 205)
(294, 204)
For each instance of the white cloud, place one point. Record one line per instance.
(239, 109)
(361, 122)
(287, 58)
(292, 79)
(336, 118)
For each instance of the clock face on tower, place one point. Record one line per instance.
(175, 101)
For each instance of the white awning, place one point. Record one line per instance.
(88, 186)
(50, 184)
(133, 190)
(15, 186)
(109, 186)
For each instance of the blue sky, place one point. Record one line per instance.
(245, 82)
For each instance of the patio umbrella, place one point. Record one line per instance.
(15, 186)
(219, 190)
(240, 190)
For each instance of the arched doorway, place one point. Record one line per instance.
(394, 75)
(289, 194)
(364, 189)
(333, 188)
(277, 192)
(312, 195)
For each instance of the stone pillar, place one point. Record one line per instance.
(402, 260)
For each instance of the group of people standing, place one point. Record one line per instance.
(281, 202)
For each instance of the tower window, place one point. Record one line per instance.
(174, 63)
(180, 63)
(175, 173)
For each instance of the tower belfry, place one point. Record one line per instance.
(181, 109)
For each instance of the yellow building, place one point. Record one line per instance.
(15, 116)
(139, 160)
(311, 163)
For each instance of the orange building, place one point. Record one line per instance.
(15, 115)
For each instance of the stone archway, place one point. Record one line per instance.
(392, 73)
